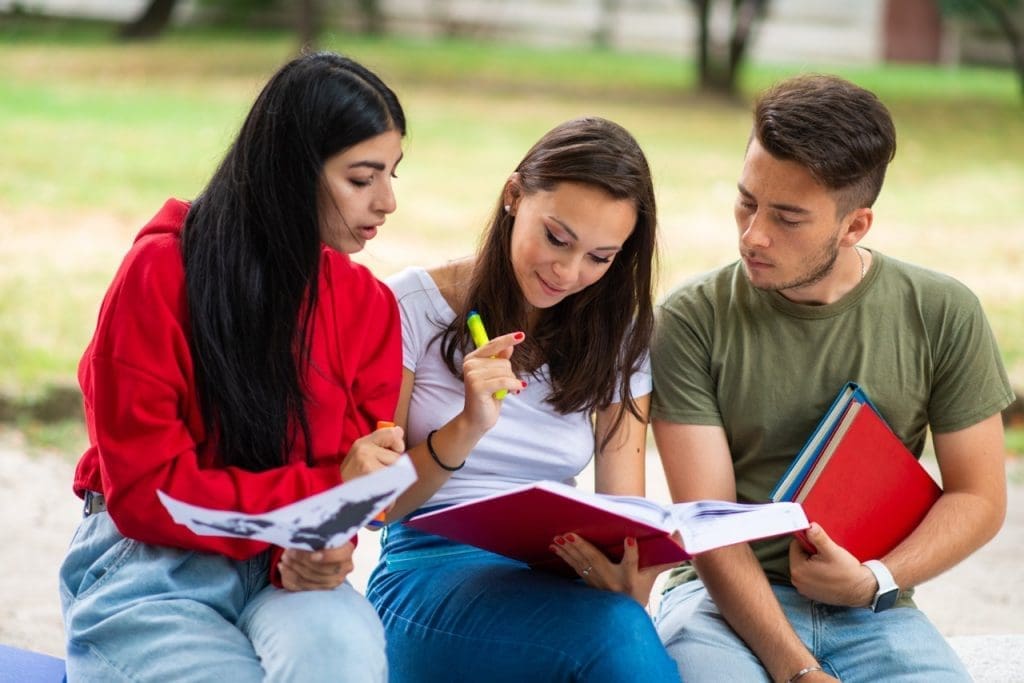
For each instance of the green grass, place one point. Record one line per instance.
(96, 134)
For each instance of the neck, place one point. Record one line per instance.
(846, 273)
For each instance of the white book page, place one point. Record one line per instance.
(325, 520)
(708, 524)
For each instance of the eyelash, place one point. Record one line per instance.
(750, 207)
(368, 182)
(558, 243)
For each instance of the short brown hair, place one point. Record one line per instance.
(841, 133)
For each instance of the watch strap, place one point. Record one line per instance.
(888, 591)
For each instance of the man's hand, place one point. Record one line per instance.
(302, 570)
(832, 575)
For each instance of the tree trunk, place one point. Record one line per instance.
(703, 11)
(309, 24)
(1013, 37)
(372, 16)
(151, 23)
(745, 13)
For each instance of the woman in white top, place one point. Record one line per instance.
(564, 274)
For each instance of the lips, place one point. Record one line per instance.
(550, 289)
(755, 263)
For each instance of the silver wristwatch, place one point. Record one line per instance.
(888, 592)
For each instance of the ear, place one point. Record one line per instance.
(856, 225)
(512, 193)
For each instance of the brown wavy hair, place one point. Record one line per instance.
(594, 340)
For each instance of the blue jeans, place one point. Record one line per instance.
(452, 612)
(140, 612)
(852, 644)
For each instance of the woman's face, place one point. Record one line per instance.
(356, 194)
(564, 240)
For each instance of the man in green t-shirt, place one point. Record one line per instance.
(746, 360)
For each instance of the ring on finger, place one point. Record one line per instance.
(586, 572)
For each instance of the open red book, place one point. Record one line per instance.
(522, 523)
(865, 489)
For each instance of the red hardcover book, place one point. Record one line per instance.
(867, 491)
(522, 523)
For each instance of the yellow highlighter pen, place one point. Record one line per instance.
(381, 519)
(479, 335)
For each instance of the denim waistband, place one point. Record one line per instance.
(403, 547)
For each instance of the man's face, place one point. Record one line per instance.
(788, 228)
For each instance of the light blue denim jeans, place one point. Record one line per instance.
(140, 612)
(852, 644)
(456, 613)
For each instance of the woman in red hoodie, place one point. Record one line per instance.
(240, 362)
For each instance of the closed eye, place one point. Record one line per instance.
(554, 240)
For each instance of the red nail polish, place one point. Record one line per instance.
(524, 384)
(553, 549)
(518, 336)
(630, 542)
(560, 541)
(570, 538)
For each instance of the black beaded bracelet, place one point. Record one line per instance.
(433, 454)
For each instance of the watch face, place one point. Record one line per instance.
(884, 601)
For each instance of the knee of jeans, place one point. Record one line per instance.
(346, 628)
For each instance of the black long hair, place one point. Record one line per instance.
(594, 340)
(251, 247)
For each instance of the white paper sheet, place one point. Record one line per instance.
(325, 520)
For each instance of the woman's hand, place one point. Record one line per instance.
(486, 371)
(599, 572)
(373, 452)
(302, 570)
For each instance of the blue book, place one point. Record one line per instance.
(790, 483)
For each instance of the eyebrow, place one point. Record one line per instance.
(788, 208)
(572, 234)
(376, 165)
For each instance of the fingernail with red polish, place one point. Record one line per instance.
(630, 541)
(518, 336)
(524, 383)
(559, 540)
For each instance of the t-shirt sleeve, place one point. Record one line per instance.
(970, 382)
(684, 387)
(413, 295)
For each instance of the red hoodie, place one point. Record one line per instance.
(142, 412)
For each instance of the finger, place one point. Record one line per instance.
(499, 346)
(391, 438)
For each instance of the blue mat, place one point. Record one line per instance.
(23, 666)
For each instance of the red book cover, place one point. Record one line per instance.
(522, 524)
(870, 492)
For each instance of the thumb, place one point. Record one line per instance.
(821, 541)
(630, 554)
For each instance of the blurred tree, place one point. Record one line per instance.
(306, 14)
(719, 57)
(373, 16)
(997, 13)
(151, 22)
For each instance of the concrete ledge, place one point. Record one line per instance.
(992, 659)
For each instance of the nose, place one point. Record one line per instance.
(385, 202)
(566, 270)
(754, 235)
